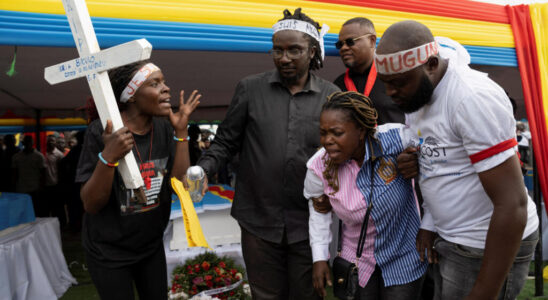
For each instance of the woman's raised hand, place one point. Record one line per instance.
(179, 120)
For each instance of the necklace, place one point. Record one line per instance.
(146, 178)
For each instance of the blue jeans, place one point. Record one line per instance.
(459, 266)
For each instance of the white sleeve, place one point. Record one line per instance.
(319, 229)
(427, 221)
(313, 185)
(487, 127)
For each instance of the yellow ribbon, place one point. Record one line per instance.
(194, 234)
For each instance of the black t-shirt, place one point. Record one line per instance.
(124, 232)
(387, 110)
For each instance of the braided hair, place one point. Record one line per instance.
(316, 61)
(360, 110)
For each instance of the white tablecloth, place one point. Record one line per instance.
(32, 265)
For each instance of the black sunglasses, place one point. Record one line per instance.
(350, 41)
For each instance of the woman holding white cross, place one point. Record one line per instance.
(122, 233)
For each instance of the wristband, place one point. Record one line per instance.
(181, 140)
(112, 165)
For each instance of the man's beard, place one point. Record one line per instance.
(421, 97)
(349, 65)
(293, 79)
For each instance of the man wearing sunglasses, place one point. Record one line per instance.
(356, 45)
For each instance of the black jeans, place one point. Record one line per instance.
(278, 271)
(149, 275)
(376, 290)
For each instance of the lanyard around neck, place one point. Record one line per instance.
(350, 86)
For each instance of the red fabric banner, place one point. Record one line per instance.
(526, 52)
(461, 9)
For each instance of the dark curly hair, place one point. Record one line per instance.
(316, 61)
(360, 110)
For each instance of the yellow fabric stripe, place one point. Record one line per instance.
(539, 20)
(194, 234)
(264, 13)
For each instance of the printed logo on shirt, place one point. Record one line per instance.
(432, 155)
(431, 148)
(387, 170)
(153, 175)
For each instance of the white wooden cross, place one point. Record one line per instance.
(93, 64)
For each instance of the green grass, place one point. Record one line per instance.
(74, 255)
(528, 291)
(85, 290)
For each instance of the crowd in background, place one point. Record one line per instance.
(47, 175)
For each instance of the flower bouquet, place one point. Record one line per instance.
(208, 276)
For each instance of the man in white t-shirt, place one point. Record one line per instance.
(470, 178)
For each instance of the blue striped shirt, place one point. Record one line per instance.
(395, 211)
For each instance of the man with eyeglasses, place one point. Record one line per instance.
(273, 123)
(356, 45)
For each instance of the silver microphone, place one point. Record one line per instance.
(195, 178)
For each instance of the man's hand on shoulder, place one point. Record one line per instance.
(408, 163)
(321, 204)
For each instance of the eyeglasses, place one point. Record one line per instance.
(292, 53)
(350, 41)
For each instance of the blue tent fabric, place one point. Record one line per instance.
(37, 29)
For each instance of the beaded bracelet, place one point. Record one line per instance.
(112, 165)
(181, 140)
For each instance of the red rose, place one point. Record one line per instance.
(205, 265)
(222, 264)
(197, 267)
(231, 293)
(233, 271)
(209, 284)
(208, 277)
